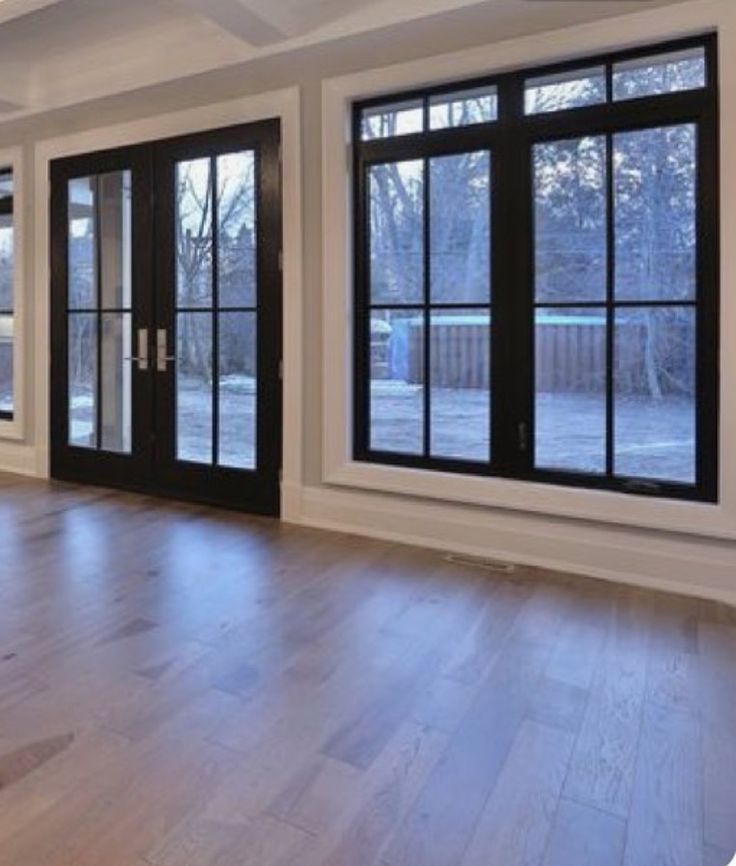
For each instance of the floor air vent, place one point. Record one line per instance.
(479, 562)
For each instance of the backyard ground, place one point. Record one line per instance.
(654, 438)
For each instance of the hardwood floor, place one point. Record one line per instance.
(182, 686)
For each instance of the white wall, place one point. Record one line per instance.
(596, 533)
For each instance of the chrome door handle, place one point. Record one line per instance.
(162, 358)
(142, 358)
(143, 349)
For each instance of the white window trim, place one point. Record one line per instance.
(282, 104)
(700, 519)
(15, 429)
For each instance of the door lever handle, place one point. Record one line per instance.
(142, 358)
(162, 358)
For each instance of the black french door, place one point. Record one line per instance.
(166, 317)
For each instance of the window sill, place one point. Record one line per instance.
(544, 500)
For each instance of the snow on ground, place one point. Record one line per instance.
(654, 438)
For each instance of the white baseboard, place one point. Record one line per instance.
(674, 563)
(678, 563)
(18, 459)
(291, 502)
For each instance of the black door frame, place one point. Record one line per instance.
(152, 468)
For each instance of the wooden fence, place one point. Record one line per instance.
(570, 352)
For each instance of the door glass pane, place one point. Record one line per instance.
(661, 73)
(397, 232)
(194, 233)
(397, 381)
(570, 407)
(655, 393)
(460, 351)
(573, 89)
(460, 228)
(82, 243)
(82, 363)
(656, 231)
(6, 363)
(116, 382)
(238, 390)
(194, 377)
(115, 239)
(7, 274)
(216, 350)
(570, 220)
(236, 229)
(7, 271)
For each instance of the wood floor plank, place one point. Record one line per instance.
(666, 819)
(184, 686)
(18, 764)
(378, 717)
(717, 705)
(717, 857)
(603, 765)
(92, 756)
(387, 792)
(558, 704)
(118, 818)
(439, 826)
(316, 794)
(672, 671)
(517, 820)
(262, 841)
(575, 659)
(586, 836)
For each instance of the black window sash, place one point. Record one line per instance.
(510, 140)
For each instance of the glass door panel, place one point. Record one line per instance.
(83, 388)
(99, 315)
(194, 391)
(216, 306)
(101, 301)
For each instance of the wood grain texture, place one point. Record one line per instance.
(666, 821)
(717, 857)
(603, 765)
(516, 822)
(21, 762)
(717, 704)
(584, 835)
(183, 686)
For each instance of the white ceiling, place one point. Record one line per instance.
(58, 52)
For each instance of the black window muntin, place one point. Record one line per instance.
(511, 139)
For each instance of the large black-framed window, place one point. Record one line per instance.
(536, 274)
(7, 300)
